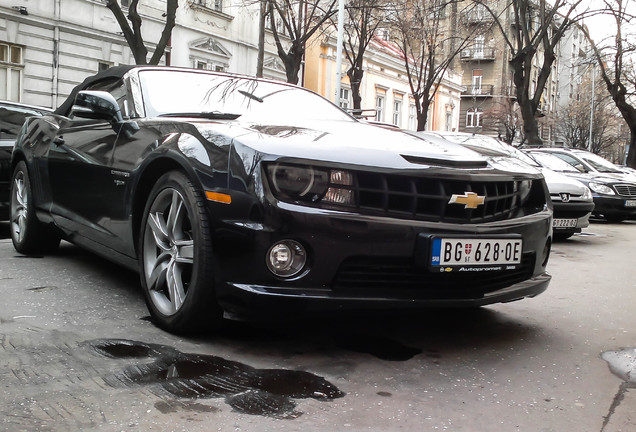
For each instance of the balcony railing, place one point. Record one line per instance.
(478, 54)
(477, 16)
(483, 90)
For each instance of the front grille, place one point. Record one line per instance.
(428, 198)
(626, 190)
(366, 274)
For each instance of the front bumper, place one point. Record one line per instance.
(364, 262)
(267, 302)
(581, 211)
(613, 206)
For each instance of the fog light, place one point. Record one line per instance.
(286, 258)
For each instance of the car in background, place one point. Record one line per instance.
(12, 117)
(248, 198)
(572, 200)
(614, 191)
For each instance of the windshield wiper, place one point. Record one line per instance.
(214, 115)
(251, 96)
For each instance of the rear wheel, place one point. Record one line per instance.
(29, 236)
(176, 256)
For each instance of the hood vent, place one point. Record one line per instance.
(446, 162)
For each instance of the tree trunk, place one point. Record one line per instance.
(521, 66)
(293, 61)
(631, 154)
(422, 115)
(355, 75)
(292, 68)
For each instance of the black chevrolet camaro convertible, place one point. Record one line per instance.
(245, 198)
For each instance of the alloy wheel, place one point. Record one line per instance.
(19, 207)
(168, 251)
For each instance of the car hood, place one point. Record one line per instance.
(598, 177)
(560, 183)
(357, 143)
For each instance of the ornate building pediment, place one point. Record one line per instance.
(211, 46)
(274, 63)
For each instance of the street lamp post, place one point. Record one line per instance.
(589, 142)
(339, 49)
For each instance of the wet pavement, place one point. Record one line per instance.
(80, 353)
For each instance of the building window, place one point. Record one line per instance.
(102, 66)
(11, 67)
(473, 117)
(379, 108)
(477, 79)
(344, 98)
(449, 121)
(480, 42)
(412, 117)
(383, 33)
(546, 132)
(125, 3)
(206, 65)
(397, 112)
(280, 28)
(480, 12)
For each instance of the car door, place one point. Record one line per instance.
(81, 184)
(88, 196)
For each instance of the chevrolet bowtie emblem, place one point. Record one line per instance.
(470, 199)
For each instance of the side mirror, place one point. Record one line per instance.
(97, 105)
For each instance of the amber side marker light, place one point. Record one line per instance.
(218, 197)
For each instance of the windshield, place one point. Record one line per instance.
(174, 92)
(554, 163)
(598, 163)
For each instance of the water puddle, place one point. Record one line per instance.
(266, 392)
(622, 363)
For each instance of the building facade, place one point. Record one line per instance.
(385, 91)
(488, 104)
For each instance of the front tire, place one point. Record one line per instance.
(28, 234)
(176, 256)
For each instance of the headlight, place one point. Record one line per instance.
(601, 188)
(297, 182)
(523, 187)
(306, 183)
(587, 195)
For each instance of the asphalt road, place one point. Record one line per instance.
(79, 352)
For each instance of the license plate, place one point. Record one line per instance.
(630, 203)
(475, 252)
(564, 223)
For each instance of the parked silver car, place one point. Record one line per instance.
(614, 191)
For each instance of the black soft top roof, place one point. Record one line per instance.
(108, 74)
